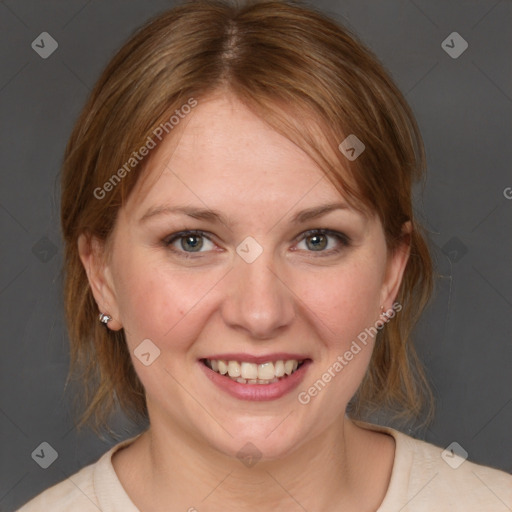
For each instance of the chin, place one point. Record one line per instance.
(257, 439)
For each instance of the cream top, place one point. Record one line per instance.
(421, 481)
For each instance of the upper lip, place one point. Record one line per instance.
(279, 356)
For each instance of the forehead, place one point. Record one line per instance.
(224, 154)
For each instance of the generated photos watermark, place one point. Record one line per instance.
(158, 133)
(304, 397)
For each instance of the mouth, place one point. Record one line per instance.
(255, 378)
(246, 372)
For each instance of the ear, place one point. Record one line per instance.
(397, 261)
(94, 259)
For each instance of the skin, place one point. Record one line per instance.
(290, 299)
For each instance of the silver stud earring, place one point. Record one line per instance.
(385, 314)
(104, 318)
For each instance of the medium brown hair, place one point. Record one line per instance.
(309, 79)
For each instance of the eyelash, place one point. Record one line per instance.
(342, 238)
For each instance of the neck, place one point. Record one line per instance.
(182, 473)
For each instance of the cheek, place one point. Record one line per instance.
(344, 300)
(160, 304)
(342, 305)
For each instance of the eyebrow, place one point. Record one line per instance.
(215, 216)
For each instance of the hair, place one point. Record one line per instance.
(312, 81)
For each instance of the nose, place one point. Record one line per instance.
(258, 301)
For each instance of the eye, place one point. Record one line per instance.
(323, 241)
(189, 242)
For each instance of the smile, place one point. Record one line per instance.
(245, 372)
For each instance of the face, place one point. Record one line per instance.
(237, 248)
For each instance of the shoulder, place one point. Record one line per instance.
(445, 475)
(75, 493)
(426, 477)
(94, 487)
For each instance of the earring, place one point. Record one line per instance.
(385, 314)
(104, 318)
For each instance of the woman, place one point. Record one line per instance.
(243, 270)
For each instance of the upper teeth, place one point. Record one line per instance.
(252, 371)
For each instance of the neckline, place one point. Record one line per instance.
(107, 483)
(402, 462)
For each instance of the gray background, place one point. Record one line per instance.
(464, 108)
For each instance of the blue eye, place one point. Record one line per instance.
(324, 241)
(189, 242)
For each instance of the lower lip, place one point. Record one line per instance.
(257, 392)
